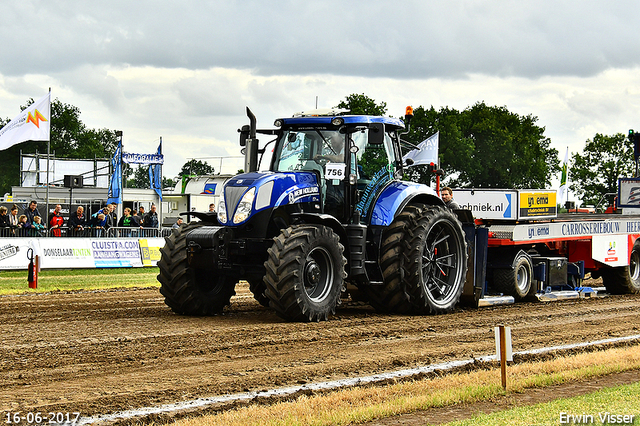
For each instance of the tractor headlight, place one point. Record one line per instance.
(222, 211)
(244, 207)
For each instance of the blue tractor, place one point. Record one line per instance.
(331, 213)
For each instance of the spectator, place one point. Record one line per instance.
(150, 220)
(56, 221)
(39, 228)
(32, 211)
(114, 213)
(212, 207)
(126, 221)
(141, 215)
(447, 196)
(98, 223)
(78, 221)
(24, 225)
(177, 224)
(13, 216)
(135, 218)
(4, 222)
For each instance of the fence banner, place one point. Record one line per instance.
(13, 252)
(70, 253)
(150, 250)
(116, 253)
(65, 253)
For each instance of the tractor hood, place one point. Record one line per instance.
(248, 193)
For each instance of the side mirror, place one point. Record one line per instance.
(376, 134)
(244, 134)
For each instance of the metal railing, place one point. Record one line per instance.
(95, 232)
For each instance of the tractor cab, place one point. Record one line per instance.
(352, 156)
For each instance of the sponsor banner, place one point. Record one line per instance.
(13, 252)
(120, 253)
(65, 253)
(150, 250)
(611, 250)
(537, 204)
(488, 204)
(69, 253)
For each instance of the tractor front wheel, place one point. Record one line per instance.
(189, 291)
(305, 273)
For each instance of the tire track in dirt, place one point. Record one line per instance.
(98, 352)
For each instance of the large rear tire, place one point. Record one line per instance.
(391, 295)
(624, 279)
(435, 261)
(305, 273)
(516, 281)
(189, 291)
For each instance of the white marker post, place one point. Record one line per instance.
(503, 350)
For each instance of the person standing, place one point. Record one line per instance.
(13, 216)
(447, 196)
(150, 220)
(4, 222)
(56, 221)
(32, 211)
(78, 221)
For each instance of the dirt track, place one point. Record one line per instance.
(117, 350)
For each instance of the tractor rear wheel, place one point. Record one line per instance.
(305, 273)
(435, 261)
(189, 291)
(391, 295)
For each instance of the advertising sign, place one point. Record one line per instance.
(629, 192)
(150, 250)
(65, 253)
(610, 249)
(537, 204)
(116, 253)
(487, 203)
(13, 252)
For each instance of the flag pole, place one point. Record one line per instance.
(46, 212)
(160, 201)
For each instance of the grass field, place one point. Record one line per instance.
(15, 282)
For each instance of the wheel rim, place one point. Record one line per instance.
(318, 274)
(634, 265)
(522, 279)
(441, 257)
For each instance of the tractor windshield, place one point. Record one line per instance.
(308, 149)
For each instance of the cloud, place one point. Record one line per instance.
(412, 39)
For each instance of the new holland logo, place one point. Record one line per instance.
(36, 118)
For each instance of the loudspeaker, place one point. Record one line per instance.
(73, 181)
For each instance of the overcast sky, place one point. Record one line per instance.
(185, 71)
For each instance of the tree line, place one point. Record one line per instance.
(482, 146)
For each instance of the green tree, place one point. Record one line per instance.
(595, 172)
(70, 138)
(486, 147)
(140, 178)
(362, 104)
(196, 167)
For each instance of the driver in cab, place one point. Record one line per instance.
(333, 151)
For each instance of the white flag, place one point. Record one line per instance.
(32, 124)
(562, 190)
(426, 153)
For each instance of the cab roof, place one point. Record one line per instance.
(326, 117)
